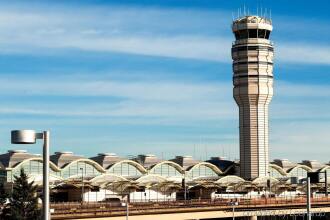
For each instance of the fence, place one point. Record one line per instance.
(97, 209)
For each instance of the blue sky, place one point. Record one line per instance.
(134, 77)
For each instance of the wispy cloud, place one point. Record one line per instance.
(176, 99)
(307, 53)
(299, 112)
(290, 89)
(174, 33)
(142, 90)
(300, 140)
(155, 32)
(138, 99)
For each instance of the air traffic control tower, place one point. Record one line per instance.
(252, 54)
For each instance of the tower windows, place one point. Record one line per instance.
(267, 34)
(252, 48)
(252, 33)
(261, 33)
(241, 34)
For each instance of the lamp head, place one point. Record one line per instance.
(23, 137)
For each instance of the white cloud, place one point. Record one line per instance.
(308, 53)
(156, 32)
(142, 90)
(289, 89)
(130, 99)
(173, 33)
(155, 98)
(299, 140)
(201, 48)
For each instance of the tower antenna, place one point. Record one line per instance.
(229, 152)
(244, 10)
(194, 153)
(257, 10)
(205, 152)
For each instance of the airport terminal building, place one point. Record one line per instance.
(147, 178)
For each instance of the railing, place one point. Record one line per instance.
(94, 209)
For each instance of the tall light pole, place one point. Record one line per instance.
(127, 206)
(269, 185)
(30, 137)
(82, 184)
(326, 183)
(308, 194)
(233, 204)
(184, 187)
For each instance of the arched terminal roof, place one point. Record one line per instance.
(167, 163)
(14, 157)
(299, 166)
(61, 159)
(37, 179)
(147, 160)
(231, 179)
(109, 170)
(313, 164)
(276, 171)
(106, 159)
(18, 166)
(117, 168)
(105, 179)
(223, 164)
(203, 169)
(262, 181)
(285, 164)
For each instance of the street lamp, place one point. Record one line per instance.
(308, 194)
(269, 186)
(233, 204)
(82, 185)
(30, 137)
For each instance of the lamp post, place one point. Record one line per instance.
(326, 183)
(184, 187)
(127, 206)
(269, 183)
(30, 137)
(308, 194)
(82, 185)
(233, 204)
(269, 186)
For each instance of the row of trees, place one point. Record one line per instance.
(22, 202)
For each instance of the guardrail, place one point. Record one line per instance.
(98, 209)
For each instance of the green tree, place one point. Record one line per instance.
(24, 200)
(3, 199)
(3, 195)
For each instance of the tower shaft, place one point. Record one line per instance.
(252, 55)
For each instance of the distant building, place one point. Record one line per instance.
(147, 178)
(252, 54)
